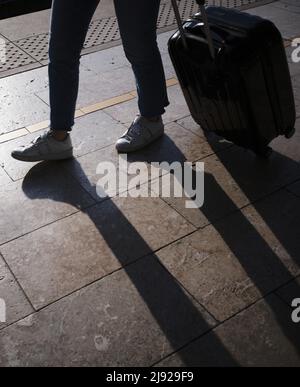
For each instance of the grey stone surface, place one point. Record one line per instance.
(19, 105)
(176, 110)
(131, 318)
(289, 149)
(218, 187)
(73, 252)
(129, 310)
(106, 60)
(25, 25)
(218, 142)
(46, 194)
(178, 145)
(18, 111)
(24, 84)
(290, 292)
(296, 85)
(17, 306)
(287, 5)
(254, 177)
(233, 263)
(95, 87)
(92, 132)
(95, 131)
(15, 169)
(4, 178)
(163, 40)
(39, 22)
(85, 168)
(168, 66)
(287, 22)
(294, 188)
(261, 336)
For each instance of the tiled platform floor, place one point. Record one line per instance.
(145, 281)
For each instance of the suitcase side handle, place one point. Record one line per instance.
(207, 30)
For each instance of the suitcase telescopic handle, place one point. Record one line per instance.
(207, 30)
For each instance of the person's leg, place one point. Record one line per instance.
(70, 20)
(138, 27)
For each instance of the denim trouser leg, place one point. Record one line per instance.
(137, 22)
(70, 20)
(69, 25)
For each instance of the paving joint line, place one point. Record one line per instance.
(80, 112)
(284, 285)
(216, 321)
(273, 292)
(17, 281)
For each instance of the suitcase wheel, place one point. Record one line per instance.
(264, 152)
(290, 134)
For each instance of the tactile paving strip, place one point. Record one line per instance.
(14, 57)
(34, 50)
(36, 46)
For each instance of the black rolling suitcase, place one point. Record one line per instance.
(233, 71)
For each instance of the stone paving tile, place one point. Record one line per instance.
(289, 149)
(105, 60)
(85, 168)
(256, 177)
(17, 112)
(105, 9)
(95, 131)
(287, 5)
(287, 22)
(82, 248)
(131, 318)
(163, 40)
(176, 110)
(294, 188)
(15, 169)
(18, 104)
(296, 85)
(46, 194)
(218, 187)
(37, 23)
(98, 87)
(262, 336)
(25, 25)
(168, 66)
(4, 178)
(179, 145)
(290, 292)
(24, 84)
(105, 85)
(230, 265)
(189, 123)
(17, 306)
(240, 176)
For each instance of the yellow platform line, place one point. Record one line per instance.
(13, 135)
(79, 113)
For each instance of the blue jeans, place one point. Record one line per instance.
(69, 25)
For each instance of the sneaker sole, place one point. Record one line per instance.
(55, 157)
(135, 149)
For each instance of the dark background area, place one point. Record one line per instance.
(10, 8)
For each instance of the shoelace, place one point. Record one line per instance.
(38, 139)
(135, 129)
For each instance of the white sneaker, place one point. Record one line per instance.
(44, 148)
(141, 133)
